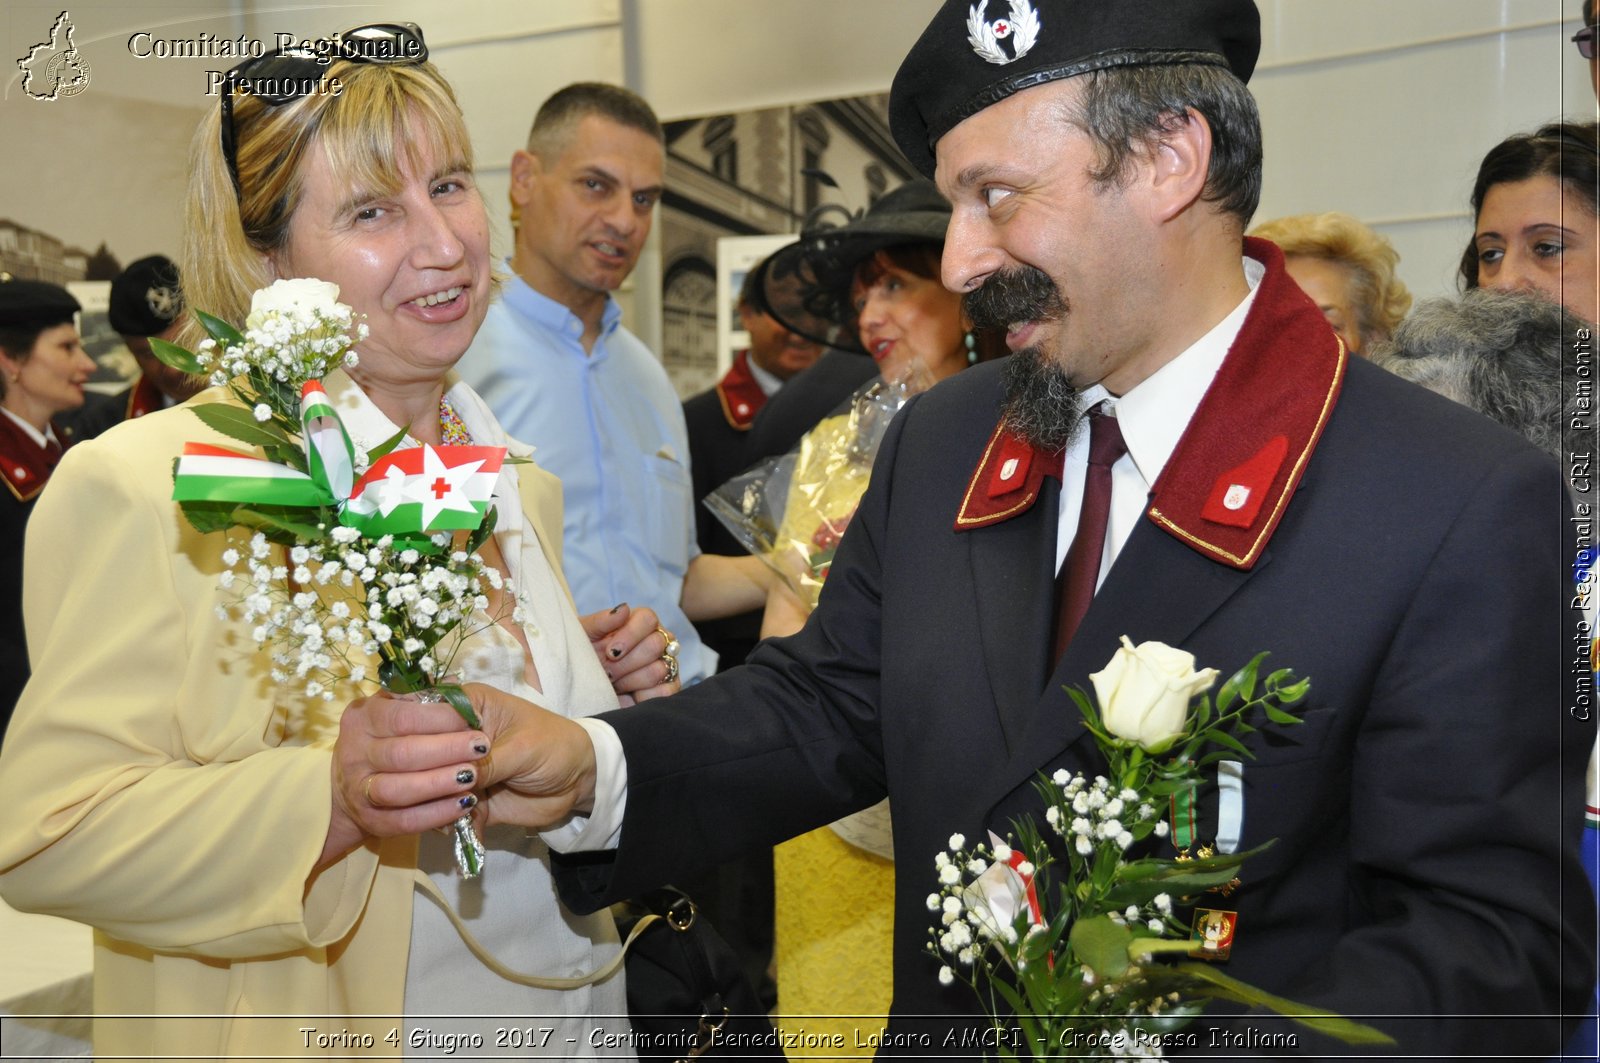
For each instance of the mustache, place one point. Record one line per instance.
(1023, 294)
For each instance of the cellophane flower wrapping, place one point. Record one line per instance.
(792, 510)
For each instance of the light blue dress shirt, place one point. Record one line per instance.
(608, 423)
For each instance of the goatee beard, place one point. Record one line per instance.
(1041, 405)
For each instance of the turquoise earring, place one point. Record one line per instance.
(972, 348)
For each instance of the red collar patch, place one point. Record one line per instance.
(1006, 482)
(1233, 472)
(740, 395)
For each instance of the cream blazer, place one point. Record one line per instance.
(157, 785)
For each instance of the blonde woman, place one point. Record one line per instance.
(240, 851)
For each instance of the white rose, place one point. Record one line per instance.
(1145, 690)
(303, 295)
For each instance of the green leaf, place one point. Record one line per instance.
(399, 677)
(1277, 715)
(1223, 738)
(382, 449)
(481, 533)
(219, 329)
(179, 358)
(301, 524)
(1102, 945)
(459, 701)
(1291, 694)
(1319, 1019)
(208, 517)
(239, 424)
(1178, 885)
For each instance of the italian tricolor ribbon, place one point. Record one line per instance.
(418, 490)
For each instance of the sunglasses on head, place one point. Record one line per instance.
(1584, 39)
(286, 74)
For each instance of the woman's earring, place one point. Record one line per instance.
(972, 348)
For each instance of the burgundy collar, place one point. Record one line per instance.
(1232, 474)
(24, 464)
(740, 395)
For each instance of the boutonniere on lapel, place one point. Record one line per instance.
(339, 555)
(1067, 935)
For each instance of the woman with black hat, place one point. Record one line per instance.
(43, 368)
(870, 285)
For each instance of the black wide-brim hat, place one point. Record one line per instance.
(976, 53)
(805, 286)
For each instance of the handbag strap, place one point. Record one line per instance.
(600, 974)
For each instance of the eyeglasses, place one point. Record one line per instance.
(286, 74)
(1584, 39)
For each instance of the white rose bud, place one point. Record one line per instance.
(1145, 690)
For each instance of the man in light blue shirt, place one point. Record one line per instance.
(560, 372)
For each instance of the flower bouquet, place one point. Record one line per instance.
(1067, 933)
(350, 556)
(792, 510)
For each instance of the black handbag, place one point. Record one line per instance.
(688, 995)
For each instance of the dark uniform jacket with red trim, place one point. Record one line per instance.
(1406, 555)
(24, 469)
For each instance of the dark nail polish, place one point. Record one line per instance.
(614, 652)
(465, 776)
(482, 749)
(617, 608)
(468, 801)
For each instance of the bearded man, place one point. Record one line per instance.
(1180, 442)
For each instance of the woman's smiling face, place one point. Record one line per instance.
(414, 261)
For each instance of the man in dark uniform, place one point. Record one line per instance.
(146, 302)
(1266, 492)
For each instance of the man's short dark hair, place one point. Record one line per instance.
(1124, 110)
(567, 107)
(1588, 12)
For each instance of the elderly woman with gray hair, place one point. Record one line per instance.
(1499, 353)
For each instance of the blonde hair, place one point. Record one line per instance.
(366, 133)
(1381, 298)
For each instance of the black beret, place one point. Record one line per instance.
(806, 286)
(970, 58)
(145, 297)
(35, 304)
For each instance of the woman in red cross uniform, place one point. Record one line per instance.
(43, 368)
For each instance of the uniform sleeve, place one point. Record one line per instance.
(146, 788)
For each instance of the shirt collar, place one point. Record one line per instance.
(553, 315)
(1154, 415)
(43, 439)
(767, 382)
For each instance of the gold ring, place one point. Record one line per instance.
(672, 668)
(366, 790)
(671, 640)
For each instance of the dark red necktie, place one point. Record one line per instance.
(1081, 571)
